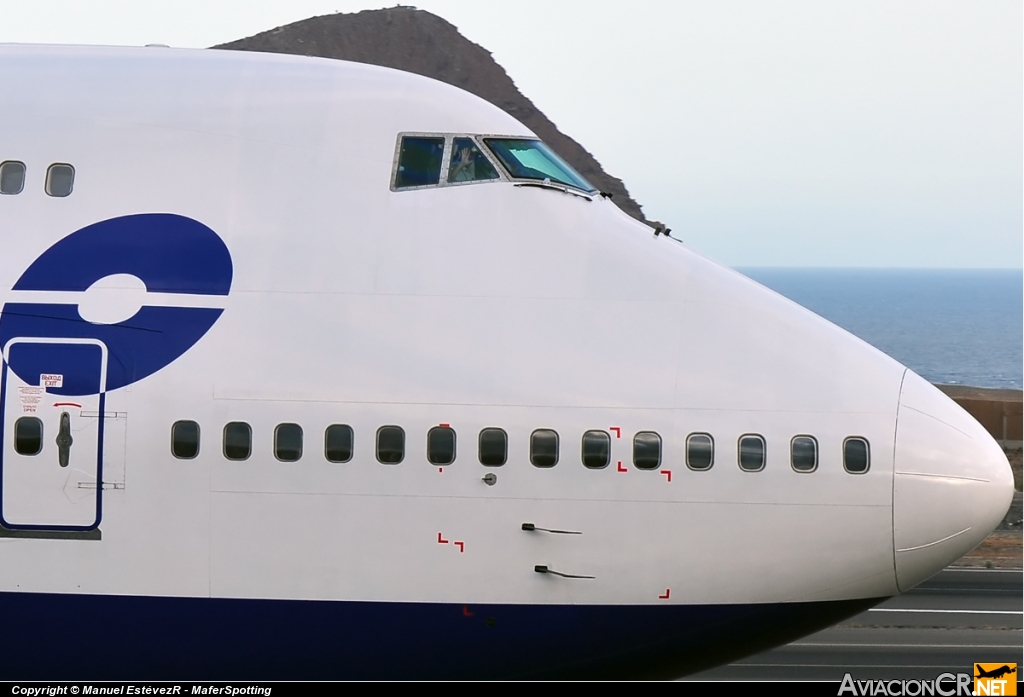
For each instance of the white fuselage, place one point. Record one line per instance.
(484, 305)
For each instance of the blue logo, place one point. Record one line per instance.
(168, 253)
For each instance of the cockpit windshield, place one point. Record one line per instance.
(532, 159)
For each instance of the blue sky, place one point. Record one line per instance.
(764, 133)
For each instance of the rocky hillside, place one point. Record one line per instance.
(419, 42)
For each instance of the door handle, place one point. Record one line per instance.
(64, 440)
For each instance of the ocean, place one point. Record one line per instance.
(951, 326)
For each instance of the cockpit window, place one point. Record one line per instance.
(419, 162)
(532, 159)
(468, 164)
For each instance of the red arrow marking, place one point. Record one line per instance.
(441, 540)
(461, 545)
(67, 404)
(668, 592)
(466, 612)
(667, 473)
(620, 468)
(618, 431)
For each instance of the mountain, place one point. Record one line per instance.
(419, 42)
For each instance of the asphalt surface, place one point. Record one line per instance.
(946, 624)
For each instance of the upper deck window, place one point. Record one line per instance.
(185, 439)
(237, 440)
(468, 164)
(419, 161)
(544, 448)
(856, 455)
(338, 443)
(12, 177)
(804, 453)
(596, 449)
(441, 445)
(700, 451)
(288, 442)
(532, 159)
(751, 452)
(60, 180)
(493, 447)
(647, 450)
(390, 445)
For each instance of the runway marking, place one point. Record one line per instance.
(952, 612)
(943, 666)
(914, 646)
(1008, 591)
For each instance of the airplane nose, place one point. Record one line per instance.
(952, 484)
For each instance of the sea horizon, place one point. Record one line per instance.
(951, 326)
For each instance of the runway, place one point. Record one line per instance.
(946, 624)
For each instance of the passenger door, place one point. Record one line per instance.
(53, 394)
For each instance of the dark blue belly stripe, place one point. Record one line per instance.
(96, 637)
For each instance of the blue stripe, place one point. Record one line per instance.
(66, 636)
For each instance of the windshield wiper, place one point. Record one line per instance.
(554, 187)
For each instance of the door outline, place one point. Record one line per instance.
(99, 447)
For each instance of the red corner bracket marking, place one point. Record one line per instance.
(461, 546)
(620, 468)
(441, 540)
(668, 592)
(617, 429)
(667, 473)
(466, 612)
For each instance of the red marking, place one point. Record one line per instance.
(445, 425)
(67, 404)
(440, 469)
(461, 546)
(667, 473)
(441, 540)
(620, 468)
(466, 612)
(618, 431)
(668, 592)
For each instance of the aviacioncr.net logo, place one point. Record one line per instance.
(945, 685)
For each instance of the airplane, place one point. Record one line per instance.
(320, 370)
(995, 672)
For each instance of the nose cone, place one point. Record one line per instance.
(952, 484)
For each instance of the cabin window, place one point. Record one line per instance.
(856, 455)
(804, 453)
(390, 445)
(531, 159)
(185, 440)
(596, 449)
(419, 162)
(60, 179)
(12, 177)
(647, 450)
(441, 445)
(544, 448)
(288, 442)
(237, 441)
(493, 447)
(338, 443)
(28, 435)
(468, 164)
(751, 453)
(700, 451)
